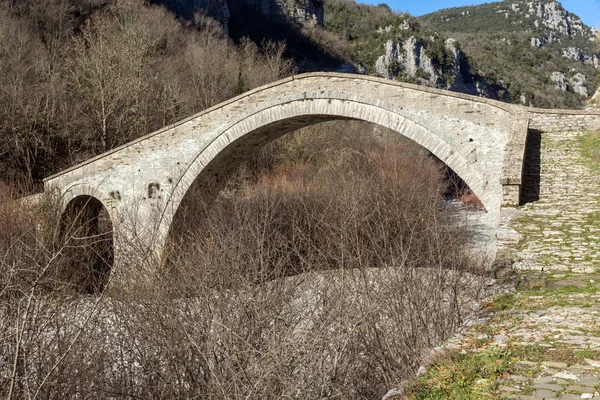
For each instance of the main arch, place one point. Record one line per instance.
(143, 183)
(272, 121)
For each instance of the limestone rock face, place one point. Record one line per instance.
(309, 12)
(385, 63)
(554, 17)
(543, 39)
(559, 80)
(576, 83)
(219, 10)
(408, 58)
(465, 82)
(552, 20)
(573, 53)
(551, 48)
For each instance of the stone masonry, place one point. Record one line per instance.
(142, 183)
(560, 229)
(562, 120)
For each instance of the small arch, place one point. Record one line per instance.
(153, 190)
(87, 241)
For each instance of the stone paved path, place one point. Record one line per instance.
(561, 230)
(550, 326)
(552, 336)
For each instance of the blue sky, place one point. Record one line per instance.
(587, 10)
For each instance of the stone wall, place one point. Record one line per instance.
(563, 120)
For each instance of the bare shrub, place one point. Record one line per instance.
(289, 325)
(331, 43)
(23, 100)
(209, 67)
(24, 253)
(45, 252)
(324, 275)
(258, 68)
(111, 72)
(80, 78)
(42, 274)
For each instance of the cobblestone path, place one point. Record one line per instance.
(561, 230)
(551, 335)
(549, 327)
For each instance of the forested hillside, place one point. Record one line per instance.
(531, 53)
(80, 78)
(543, 54)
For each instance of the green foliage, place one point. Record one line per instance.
(438, 53)
(422, 74)
(358, 21)
(593, 354)
(496, 17)
(497, 40)
(590, 148)
(368, 28)
(469, 376)
(395, 68)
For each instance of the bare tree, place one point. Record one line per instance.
(112, 73)
(23, 97)
(261, 66)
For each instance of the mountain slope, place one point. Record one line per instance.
(528, 52)
(541, 53)
(398, 46)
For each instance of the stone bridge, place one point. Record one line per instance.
(142, 183)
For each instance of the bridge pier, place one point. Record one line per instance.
(511, 177)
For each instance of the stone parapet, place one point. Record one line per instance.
(563, 120)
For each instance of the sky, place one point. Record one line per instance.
(587, 10)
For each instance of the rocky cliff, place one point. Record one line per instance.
(309, 12)
(409, 59)
(532, 52)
